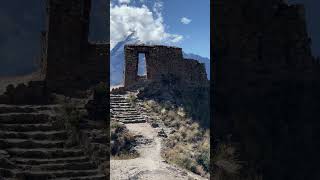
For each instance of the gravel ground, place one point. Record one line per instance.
(150, 164)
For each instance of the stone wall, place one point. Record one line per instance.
(70, 61)
(266, 86)
(161, 61)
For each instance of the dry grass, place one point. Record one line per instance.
(69, 118)
(132, 98)
(122, 142)
(188, 145)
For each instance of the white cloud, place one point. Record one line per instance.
(147, 24)
(185, 20)
(124, 1)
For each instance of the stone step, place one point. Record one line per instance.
(121, 107)
(35, 135)
(95, 177)
(126, 117)
(117, 102)
(100, 139)
(132, 121)
(24, 108)
(133, 118)
(61, 166)
(27, 127)
(120, 102)
(24, 118)
(7, 173)
(124, 109)
(125, 114)
(28, 144)
(58, 174)
(43, 153)
(114, 99)
(116, 95)
(33, 161)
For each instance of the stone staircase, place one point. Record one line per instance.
(32, 146)
(121, 110)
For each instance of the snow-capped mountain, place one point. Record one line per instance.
(201, 59)
(117, 59)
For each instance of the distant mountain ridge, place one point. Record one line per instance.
(117, 59)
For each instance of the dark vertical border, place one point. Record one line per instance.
(107, 16)
(212, 58)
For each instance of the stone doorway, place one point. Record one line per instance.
(142, 65)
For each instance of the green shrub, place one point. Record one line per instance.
(69, 118)
(132, 99)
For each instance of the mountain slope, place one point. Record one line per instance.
(201, 59)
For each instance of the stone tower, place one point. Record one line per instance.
(266, 85)
(71, 61)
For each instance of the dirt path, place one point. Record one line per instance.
(150, 164)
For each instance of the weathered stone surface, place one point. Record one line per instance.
(97, 108)
(266, 86)
(161, 61)
(33, 147)
(122, 110)
(33, 93)
(69, 61)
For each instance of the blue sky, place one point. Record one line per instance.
(173, 22)
(197, 33)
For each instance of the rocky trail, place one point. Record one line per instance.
(150, 164)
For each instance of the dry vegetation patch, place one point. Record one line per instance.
(122, 142)
(187, 145)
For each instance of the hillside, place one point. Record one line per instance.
(170, 143)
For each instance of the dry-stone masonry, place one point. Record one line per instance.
(161, 61)
(33, 146)
(69, 60)
(123, 111)
(69, 63)
(267, 84)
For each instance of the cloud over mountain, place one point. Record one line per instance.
(147, 24)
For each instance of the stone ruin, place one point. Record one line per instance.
(69, 62)
(266, 94)
(161, 61)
